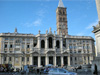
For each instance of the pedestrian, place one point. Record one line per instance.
(95, 70)
(27, 71)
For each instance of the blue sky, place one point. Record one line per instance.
(29, 16)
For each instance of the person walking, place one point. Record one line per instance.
(95, 70)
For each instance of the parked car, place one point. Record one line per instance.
(60, 71)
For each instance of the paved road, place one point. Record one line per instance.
(79, 73)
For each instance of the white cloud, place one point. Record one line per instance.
(41, 13)
(92, 24)
(80, 34)
(37, 22)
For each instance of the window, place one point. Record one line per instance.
(70, 40)
(60, 19)
(27, 58)
(79, 51)
(71, 58)
(75, 59)
(28, 46)
(4, 58)
(63, 19)
(50, 42)
(11, 46)
(64, 42)
(42, 44)
(22, 58)
(70, 46)
(23, 45)
(74, 40)
(5, 45)
(63, 12)
(6, 39)
(9, 58)
(28, 39)
(11, 39)
(10, 51)
(60, 12)
(57, 44)
(5, 51)
(17, 41)
(88, 58)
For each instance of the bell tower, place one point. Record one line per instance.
(61, 17)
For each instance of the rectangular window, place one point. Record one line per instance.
(79, 51)
(27, 58)
(6, 39)
(4, 58)
(11, 46)
(22, 58)
(28, 46)
(9, 58)
(23, 45)
(5, 45)
(75, 59)
(71, 58)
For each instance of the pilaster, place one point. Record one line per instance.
(47, 60)
(39, 61)
(46, 43)
(68, 60)
(31, 60)
(62, 61)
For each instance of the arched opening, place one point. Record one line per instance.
(50, 42)
(57, 44)
(42, 44)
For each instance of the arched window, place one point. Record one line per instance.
(50, 42)
(42, 44)
(57, 44)
(63, 12)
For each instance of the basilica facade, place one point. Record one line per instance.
(50, 48)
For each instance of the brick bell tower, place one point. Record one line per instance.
(61, 17)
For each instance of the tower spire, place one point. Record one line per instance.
(60, 4)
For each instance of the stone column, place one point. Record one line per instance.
(25, 60)
(54, 60)
(86, 59)
(68, 60)
(47, 60)
(31, 60)
(7, 60)
(8, 45)
(13, 61)
(46, 43)
(91, 58)
(2, 60)
(39, 42)
(73, 60)
(83, 59)
(54, 43)
(21, 46)
(25, 46)
(61, 44)
(62, 61)
(13, 45)
(20, 61)
(39, 61)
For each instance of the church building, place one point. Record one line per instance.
(49, 48)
